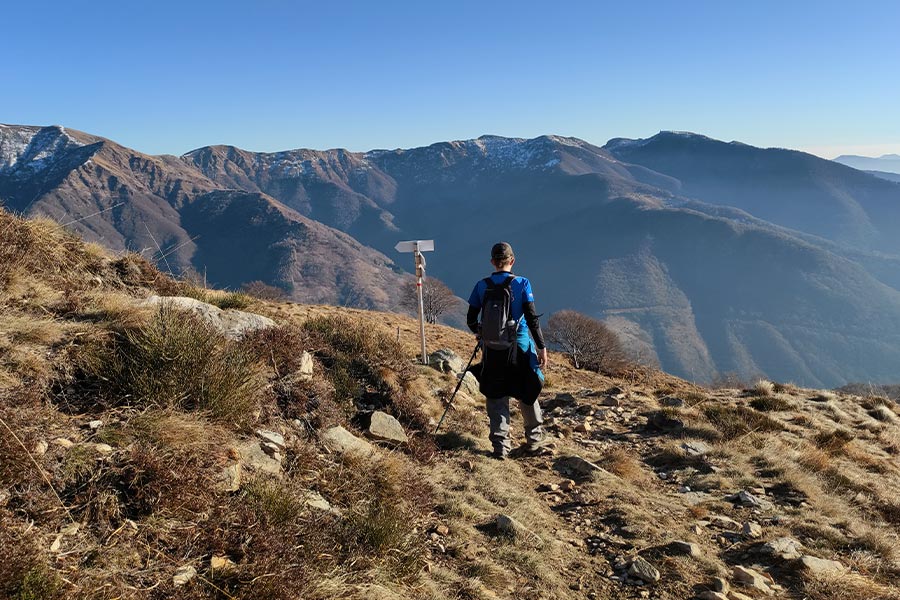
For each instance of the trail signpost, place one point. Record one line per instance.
(417, 247)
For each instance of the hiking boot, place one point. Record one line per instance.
(499, 454)
(537, 448)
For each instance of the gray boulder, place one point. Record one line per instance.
(749, 500)
(695, 448)
(821, 566)
(469, 384)
(254, 456)
(231, 323)
(271, 437)
(317, 501)
(582, 467)
(752, 579)
(342, 441)
(446, 361)
(305, 370)
(643, 570)
(786, 548)
(686, 548)
(385, 428)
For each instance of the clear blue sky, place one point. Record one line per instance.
(167, 77)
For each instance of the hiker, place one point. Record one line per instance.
(501, 314)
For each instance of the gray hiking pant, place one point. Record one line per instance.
(498, 413)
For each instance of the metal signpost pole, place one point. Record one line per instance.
(420, 271)
(417, 247)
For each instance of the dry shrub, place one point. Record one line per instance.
(386, 502)
(884, 414)
(134, 271)
(176, 360)
(890, 510)
(693, 398)
(279, 347)
(285, 550)
(785, 388)
(835, 440)
(624, 464)
(824, 396)
(672, 456)
(276, 501)
(735, 421)
(847, 587)
(41, 247)
(871, 402)
(22, 329)
(235, 300)
(366, 364)
(729, 381)
(771, 403)
(263, 291)
(763, 387)
(814, 459)
(23, 575)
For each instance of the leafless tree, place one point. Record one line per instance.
(263, 291)
(589, 343)
(437, 298)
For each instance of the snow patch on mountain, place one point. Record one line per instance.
(25, 151)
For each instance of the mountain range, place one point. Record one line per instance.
(707, 257)
(886, 163)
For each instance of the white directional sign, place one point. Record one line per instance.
(412, 246)
(418, 247)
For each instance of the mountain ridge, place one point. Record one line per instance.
(631, 229)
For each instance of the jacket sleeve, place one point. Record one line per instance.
(534, 324)
(472, 318)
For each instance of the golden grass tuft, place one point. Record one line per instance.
(623, 463)
(763, 387)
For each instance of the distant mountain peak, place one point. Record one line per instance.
(27, 149)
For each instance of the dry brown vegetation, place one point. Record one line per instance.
(114, 510)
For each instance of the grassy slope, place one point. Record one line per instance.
(145, 487)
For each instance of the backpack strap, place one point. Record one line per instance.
(489, 281)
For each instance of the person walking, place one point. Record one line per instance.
(503, 317)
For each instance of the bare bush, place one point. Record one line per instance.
(437, 298)
(263, 291)
(588, 343)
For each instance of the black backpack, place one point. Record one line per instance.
(498, 330)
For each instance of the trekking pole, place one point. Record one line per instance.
(458, 385)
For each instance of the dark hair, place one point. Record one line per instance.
(502, 252)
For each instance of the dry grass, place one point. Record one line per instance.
(847, 587)
(624, 464)
(175, 360)
(763, 387)
(769, 403)
(735, 421)
(169, 449)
